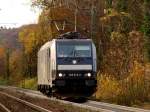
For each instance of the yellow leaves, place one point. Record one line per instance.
(28, 37)
(15, 61)
(126, 91)
(137, 73)
(117, 37)
(123, 50)
(112, 13)
(108, 88)
(30, 83)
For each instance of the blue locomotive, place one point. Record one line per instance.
(67, 63)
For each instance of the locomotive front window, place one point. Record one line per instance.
(65, 49)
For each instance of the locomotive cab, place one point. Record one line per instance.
(76, 66)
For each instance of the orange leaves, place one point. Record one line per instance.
(2, 52)
(2, 61)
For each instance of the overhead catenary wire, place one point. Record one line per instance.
(72, 5)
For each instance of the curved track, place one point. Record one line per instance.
(91, 105)
(114, 107)
(25, 103)
(4, 108)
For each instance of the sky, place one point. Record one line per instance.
(15, 13)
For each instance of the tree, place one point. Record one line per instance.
(111, 32)
(15, 66)
(122, 5)
(7, 63)
(109, 3)
(30, 42)
(2, 61)
(146, 27)
(135, 10)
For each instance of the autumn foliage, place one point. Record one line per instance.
(120, 43)
(2, 68)
(133, 89)
(119, 28)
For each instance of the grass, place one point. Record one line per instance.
(3, 81)
(29, 83)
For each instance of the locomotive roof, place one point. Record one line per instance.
(69, 36)
(72, 35)
(46, 45)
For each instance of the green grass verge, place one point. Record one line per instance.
(29, 83)
(3, 81)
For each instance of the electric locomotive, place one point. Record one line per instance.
(67, 63)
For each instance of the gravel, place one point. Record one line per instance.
(53, 106)
(13, 105)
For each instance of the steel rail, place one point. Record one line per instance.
(114, 107)
(104, 107)
(33, 106)
(5, 108)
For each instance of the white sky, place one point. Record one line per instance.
(18, 12)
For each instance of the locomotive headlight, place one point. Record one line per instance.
(60, 74)
(89, 74)
(74, 61)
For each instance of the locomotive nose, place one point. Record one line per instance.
(67, 64)
(74, 67)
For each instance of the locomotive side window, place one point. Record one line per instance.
(49, 53)
(48, 64)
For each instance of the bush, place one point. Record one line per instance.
(131, 90)
(108, 88)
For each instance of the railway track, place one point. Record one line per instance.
(28, 107)
(4, 108)
(114, 108)
(92, 105)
